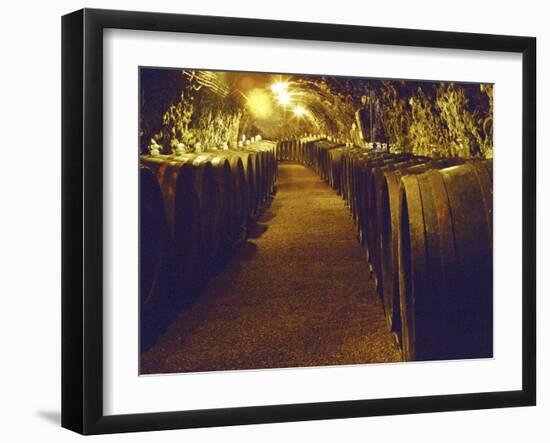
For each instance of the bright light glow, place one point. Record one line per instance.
(284, 98)
(279, 87)
(299, 111)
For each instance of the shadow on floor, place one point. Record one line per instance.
(267, 215)
(258, 230)
(247, 251)
(159, 321)
(53, 417)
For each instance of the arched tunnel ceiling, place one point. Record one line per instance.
(214, 108)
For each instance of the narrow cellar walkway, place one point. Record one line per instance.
(297, 293)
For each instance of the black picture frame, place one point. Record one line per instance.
(82, 219)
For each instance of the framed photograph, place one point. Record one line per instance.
(269, 221)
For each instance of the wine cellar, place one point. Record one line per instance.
(290, 221)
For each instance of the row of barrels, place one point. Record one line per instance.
(425, 225)
(320, 155)
(291, 150)
(194, 210)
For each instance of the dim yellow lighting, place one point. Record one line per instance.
(259, 103)
(279, 87)
(299, 111)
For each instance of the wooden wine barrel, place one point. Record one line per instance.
(221, 219)
(153, 233)
(189, 245)
(355, 157)
(315, 157)
(253, 166)
(155, 285)
(263, 176)
(322, 163)
(273, 178)
(181, 187)
(349, 170)
(264, 171)
(306, 149)
(390, 213)
(318, 148)
(335, 168)
(240, 197)
(271, 170)
(289, 149)
(346, 176)
(255, 183)
(446, 263)
(294, 148)
(361, 161)
(281, 147)
(363, 213)
(301, 151)
(272, 173)
(373, 219)
(309, 153)
(249, 179)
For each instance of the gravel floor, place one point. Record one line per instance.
(297, 293)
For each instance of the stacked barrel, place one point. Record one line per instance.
(425, 226)
(195, 209)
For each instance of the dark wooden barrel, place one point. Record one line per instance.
(309, 151)
(255, 184)
(155, 284)
(390, 213)
(264, 175)
(260, 177)
(181, 187)
(240, 200)
(335, 168)
(292, 149)
(281, 147)
(363, 212)
(287, 149)
(153, 234)
(189, 259)
(264, 168)
(345, 177)
(355, 157)
(322, 154)
(248, 160)
(301, 150)
(446, 263)
(360, 161)
(349, 170)
(373, 218)
(221, 215)
(273, 174)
